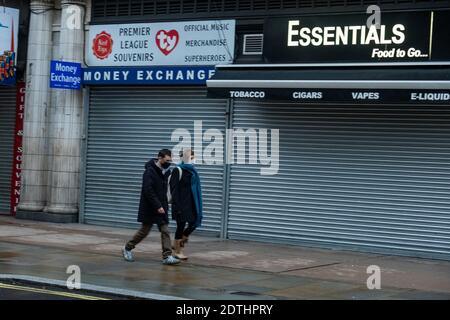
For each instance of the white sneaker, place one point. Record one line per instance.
(127, 255)
(171, 260)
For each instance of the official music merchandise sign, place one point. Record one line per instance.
(401, 37)
(156, 44)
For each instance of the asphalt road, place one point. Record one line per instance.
(15, 290)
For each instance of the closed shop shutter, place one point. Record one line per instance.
(371, 178)
(7, 126)
(129, 125)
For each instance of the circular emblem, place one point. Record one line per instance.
(102, 45)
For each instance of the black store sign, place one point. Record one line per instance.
(383, 96)
(401, 37)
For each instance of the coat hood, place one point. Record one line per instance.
(151, 163)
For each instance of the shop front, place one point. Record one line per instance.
(147, 91)
(7, 126)
(9, 22)
(363, 114)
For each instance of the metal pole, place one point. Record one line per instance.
(227, 172)
(84, 141)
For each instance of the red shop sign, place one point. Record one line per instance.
(18, 149)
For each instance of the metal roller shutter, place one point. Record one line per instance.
(127, 126)
(7, 126)
(371, 178)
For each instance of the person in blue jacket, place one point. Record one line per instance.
(187, 205)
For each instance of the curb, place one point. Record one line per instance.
(92, 288)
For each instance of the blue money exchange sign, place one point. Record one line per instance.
(65, 75)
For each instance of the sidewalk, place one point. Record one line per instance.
(217, 269)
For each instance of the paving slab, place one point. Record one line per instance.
(362, 293)
(420, 295)
(314, 289)
(281, 282)
(396, 272)
(7, 231)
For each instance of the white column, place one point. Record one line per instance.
(37, 101)
(66, 118)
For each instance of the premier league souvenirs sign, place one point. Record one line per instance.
(198, 43)
(169, 53)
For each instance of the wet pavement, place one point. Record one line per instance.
(217, 269)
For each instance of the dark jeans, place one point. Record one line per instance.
(143, 232)
(183, 231)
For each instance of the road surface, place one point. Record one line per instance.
(17, 290)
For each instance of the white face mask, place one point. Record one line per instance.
(193, 161)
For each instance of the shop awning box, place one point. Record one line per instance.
(427, 84)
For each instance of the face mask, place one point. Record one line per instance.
(166, 165)
(193, 161)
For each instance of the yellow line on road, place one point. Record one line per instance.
(50, 292)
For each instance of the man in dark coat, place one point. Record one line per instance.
(154, 207)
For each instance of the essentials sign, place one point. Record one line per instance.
(406, 36)
(154, 44)
(343, 35)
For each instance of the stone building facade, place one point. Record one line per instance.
(53, 118)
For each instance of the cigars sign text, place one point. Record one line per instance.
(153, 44)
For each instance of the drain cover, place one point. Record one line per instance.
(245, 293)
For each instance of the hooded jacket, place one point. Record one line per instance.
(183, 204)
(153, 195)
(187, 203)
